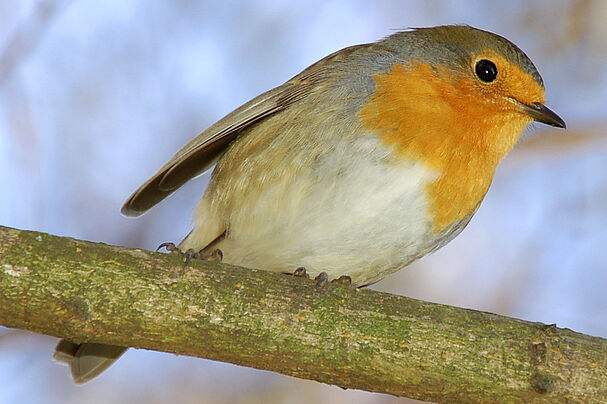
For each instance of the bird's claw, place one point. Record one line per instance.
(321, 280)
(170, 247)
(344, 280)
(301, 272)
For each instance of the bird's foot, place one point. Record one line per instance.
(323, 278)
(215, 255)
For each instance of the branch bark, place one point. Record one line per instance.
(362, 339)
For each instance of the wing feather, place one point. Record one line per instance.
(203, 151)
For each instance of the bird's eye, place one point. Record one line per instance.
(486, 70)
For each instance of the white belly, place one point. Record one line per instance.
(362, 216)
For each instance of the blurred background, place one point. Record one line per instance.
(96, 96)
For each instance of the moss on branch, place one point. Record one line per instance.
(362, 339)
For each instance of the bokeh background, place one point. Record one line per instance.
(95, 96)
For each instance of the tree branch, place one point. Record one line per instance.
(360, 339)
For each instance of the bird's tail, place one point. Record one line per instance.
(87, 360)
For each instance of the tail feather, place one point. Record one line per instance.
(87, 360)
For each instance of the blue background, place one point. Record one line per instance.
(96, 96)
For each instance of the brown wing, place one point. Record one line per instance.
(203, 151)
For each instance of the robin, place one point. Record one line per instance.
(364, 162)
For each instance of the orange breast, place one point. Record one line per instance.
(448, 123)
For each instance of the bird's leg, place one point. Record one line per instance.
(215, 255)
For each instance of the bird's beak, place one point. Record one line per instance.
(541, 113)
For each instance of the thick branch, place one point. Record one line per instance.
(363, 339)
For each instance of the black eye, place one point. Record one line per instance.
(486, 70)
